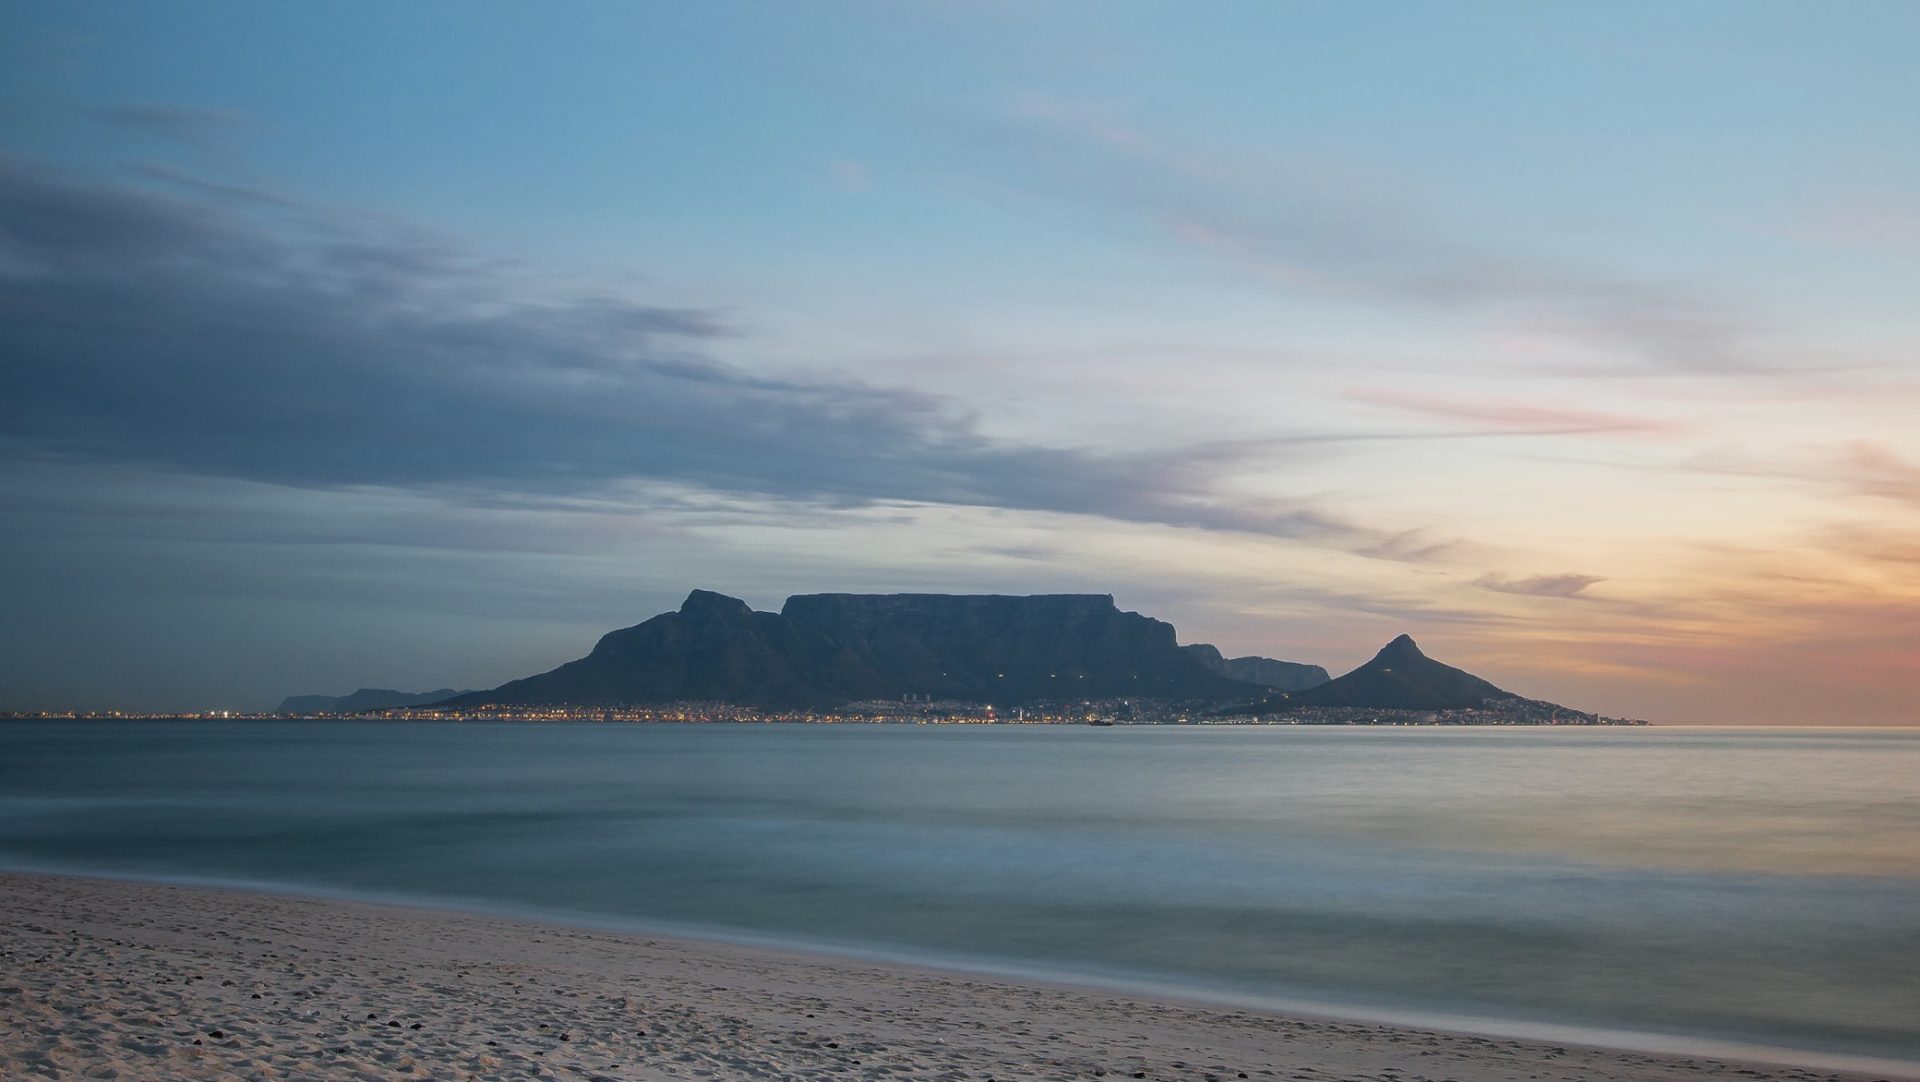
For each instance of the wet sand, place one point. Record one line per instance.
(117, 980)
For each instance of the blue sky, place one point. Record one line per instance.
(416, 345)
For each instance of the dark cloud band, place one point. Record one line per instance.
(246, 339)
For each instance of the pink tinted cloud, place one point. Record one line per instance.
(1874, 546)
(1561, 586)
(1506, 415)
(1865, 225)
(1875, 470)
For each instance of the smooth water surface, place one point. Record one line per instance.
(1753, 885)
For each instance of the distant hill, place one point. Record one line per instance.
(821, 650)
(1264, 671)
(1400, 677)
(364, 699)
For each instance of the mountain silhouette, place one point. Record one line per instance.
(825, 649)
(1400, 677)
(1264, 671)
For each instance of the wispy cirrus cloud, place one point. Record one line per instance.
(1889, 549)
(1417, 546)
(1561, 586)
(1522, 418)
(1858, 469)
(195, 127)
(239, 195)
(1874, 469)
(1864, 224)
(1310, 226)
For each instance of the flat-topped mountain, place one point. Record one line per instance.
(1263, 671)
(824, 649)
(1400, 677)
(360, 701)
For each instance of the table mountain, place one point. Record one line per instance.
(824, 649)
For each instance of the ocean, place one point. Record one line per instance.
(1667, 887)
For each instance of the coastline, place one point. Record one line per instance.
(136, 978)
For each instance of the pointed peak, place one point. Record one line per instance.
(1401, 648)
(704, 602)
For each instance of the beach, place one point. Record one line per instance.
(112, 979)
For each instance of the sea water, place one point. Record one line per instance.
(1670, 886)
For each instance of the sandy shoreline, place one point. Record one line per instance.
(107, 979)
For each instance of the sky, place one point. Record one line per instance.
(418, 345)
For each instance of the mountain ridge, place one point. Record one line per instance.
(1264, 671)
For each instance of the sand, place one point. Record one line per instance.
(116, 980)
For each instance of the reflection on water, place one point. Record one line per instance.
(1758, 885)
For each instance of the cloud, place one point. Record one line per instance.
(1897, 549)
(1307, 225)
(229, 338)
(217, 191)
(850, 175)
(1568, 585)
(192, 126)
(1874, 470)
(1862, 469)
(1863, 224)
(1520, 418)
(1411, 547)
